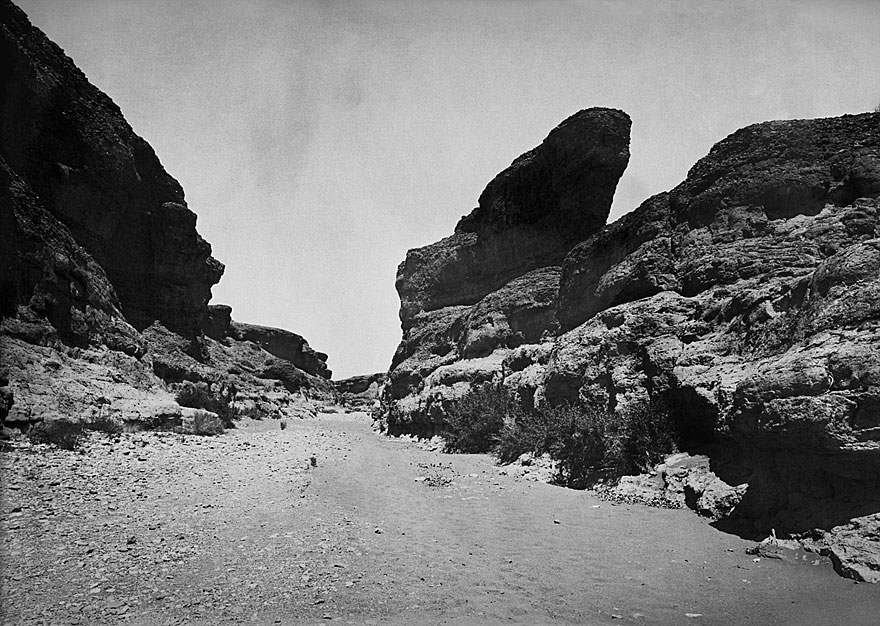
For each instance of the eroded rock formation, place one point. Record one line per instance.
(747, 300)
(470, 299)
(360, 392)
(104, 279)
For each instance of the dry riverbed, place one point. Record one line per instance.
(245, 528)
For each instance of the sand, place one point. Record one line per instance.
(243, 529)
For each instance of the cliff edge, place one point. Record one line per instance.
(104, 279)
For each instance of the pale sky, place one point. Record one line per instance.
(318, 141)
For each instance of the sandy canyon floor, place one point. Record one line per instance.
(158, 528)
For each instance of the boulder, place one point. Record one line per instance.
(283, 344)
(200, 422)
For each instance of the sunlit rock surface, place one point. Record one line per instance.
(746, 300)
(104, 279)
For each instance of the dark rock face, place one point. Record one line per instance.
(360, 392)
(491, 286)
(528, 216)
(104, 280)
(745, 300)
(283, 344)
(68, 142)
(627, 260)
(50, 287)
(217, 321)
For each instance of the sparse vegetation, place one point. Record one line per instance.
(583, 440)
(203, 423)
(532, 431)
(104, 424)
(62, 433)
(476, 419)
(215, 397)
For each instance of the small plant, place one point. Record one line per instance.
(587, 439)
(216, 397)
(584, 440)
(61, 433)
(535, 431)
(625, 442)
(436, 475)
(474, 422)
(201, 422)
(647, 436)
(104, 424)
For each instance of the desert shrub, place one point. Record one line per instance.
(62, 433)
(585, 441)
(216, 397)
(474, 422)
(251, 410)
(627, 442)
(647, 436)
(104, 424)
(534, 431)
(201, 422)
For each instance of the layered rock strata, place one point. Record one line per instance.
(469, 300)
(104, 279)
(747, 300)
(360, 393)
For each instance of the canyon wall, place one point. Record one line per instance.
(745, 302)
(104, 279)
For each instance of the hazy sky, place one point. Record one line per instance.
(318, 141)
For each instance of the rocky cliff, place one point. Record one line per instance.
(360, 393)
(470, 299)
(104, 279)
(746, 300)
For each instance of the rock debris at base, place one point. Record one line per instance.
(153, 523)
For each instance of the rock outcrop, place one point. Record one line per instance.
(104, 279)
(746, 300)
(360, 393)
(474, 297)
(70, 144)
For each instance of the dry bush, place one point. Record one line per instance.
(217, 398)
(474, 422)
(61, 433)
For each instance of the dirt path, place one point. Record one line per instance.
(165, 529)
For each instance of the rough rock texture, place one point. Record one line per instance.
(531, 213)
(283, 344)
(50, 287)
(360, 392)
(468, 300)
(49, 382)
(747, 300)
(104, 280)
(70, 144)
(682, 480)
